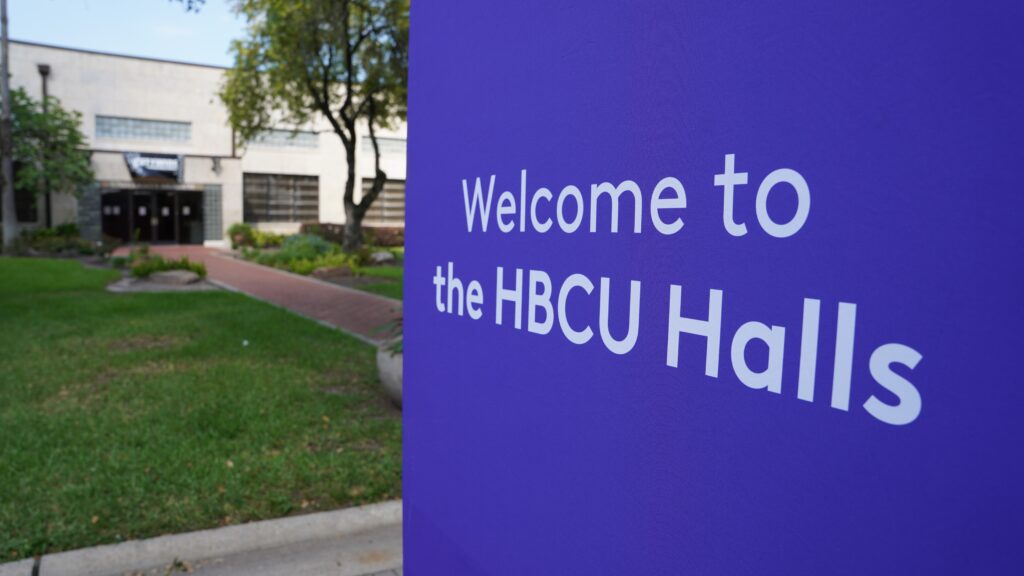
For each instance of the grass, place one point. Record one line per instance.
(132, 415)
(390, 284)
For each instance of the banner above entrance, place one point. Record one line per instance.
(155, 166)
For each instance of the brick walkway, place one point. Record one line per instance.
(358, 313)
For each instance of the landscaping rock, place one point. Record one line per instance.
(382, 257)
(174, 277)
(129, 284)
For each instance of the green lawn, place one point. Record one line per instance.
(128, 416)
(390, 284)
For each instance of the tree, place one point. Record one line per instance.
(342, 60)
(48, 146)
(192, 5)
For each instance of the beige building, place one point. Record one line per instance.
(166, 167)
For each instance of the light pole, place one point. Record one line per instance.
(44, 73)
(10, 218)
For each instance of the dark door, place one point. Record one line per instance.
(143, 220)
(190, 217)
(115, 216)
(165, 215)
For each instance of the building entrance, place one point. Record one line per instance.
(157, 216)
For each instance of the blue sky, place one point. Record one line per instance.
(153, 28)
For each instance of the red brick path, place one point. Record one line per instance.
(359, 313)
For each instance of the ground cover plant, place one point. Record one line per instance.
(62, 240)
(144, 268)
(306, 253)
(245, 236)
(132, 415)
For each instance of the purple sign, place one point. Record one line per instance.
(715, 288)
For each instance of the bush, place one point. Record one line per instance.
(140, 252)
(143, 268)
(386, 237)
(245, 236)
(62, 240)
(262, 239)
(67, 230)
(361, 257)
(107, 245)
(119, 262)
(306, 247)
(330, 232)
(302, 255)
(241, 235)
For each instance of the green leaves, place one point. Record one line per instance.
(340, 59)
(48, 142)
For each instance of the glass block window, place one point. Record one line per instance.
(117, 128)
(388, 146)
(389, 207)
(286, 139)
(280, 198)
(213, 219)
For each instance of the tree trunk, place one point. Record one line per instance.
(10, 219)
(353, 239)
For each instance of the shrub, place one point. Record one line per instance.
(241, 234)
(143, 268)
(330, 232)
(301, 255)
(262, 239)
(304, 267)
(306, 247)
(383, 236)
(140, 252)
(361, 257)
(107, 245)
(61, 240)
(67, 230)
(119, 262)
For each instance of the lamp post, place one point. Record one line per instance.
(44, 73)
(6, 164)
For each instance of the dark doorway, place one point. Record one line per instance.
(142, 218)
(115, 207)
(153, 216)
(190, 218)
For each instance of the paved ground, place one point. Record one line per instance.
(359, 313)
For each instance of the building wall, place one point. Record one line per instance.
(110, 85)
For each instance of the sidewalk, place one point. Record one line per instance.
(363, 541)
(355, 312)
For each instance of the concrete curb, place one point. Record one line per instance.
(138, 555)
(19, 568)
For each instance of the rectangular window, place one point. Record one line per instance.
(25, 207)
(117, 128)
(388, 146)
(389, 207)
(280, 198)
(286, 139)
